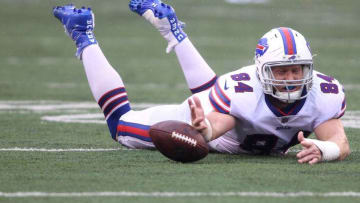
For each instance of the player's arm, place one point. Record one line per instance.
(333, 131)
(331, 143)
(211, 126)
(219, 123)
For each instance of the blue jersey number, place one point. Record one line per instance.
(266, 143)
(328, 87)
(241, 87)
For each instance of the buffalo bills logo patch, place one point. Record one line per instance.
(261, 47)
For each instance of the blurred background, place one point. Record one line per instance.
(37, 58)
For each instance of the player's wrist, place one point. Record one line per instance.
(208, 132)
(329, 150)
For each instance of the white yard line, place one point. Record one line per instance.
(49, 105)
(180, 194)
(77, 118)
(83, 112)
(18, 149)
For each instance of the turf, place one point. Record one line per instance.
(38, 64)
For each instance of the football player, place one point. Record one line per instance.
(264, 108)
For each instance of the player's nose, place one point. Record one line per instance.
(290, 76)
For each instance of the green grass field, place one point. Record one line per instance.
(40, 78)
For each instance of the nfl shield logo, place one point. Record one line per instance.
(284, 120)
(261, 47)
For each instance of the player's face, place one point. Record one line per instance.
(291, 72)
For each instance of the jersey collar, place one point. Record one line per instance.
(290, 110)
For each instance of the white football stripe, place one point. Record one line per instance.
(179, 194)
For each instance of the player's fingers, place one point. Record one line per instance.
(306, 144)
(302, 153)
(192, 109)
(197, 121)
(307, 158)
(313, 150)
(198, 108)
(200, 126)
(197, 102)
(314, 161)
(191, 105)
(190, 102)
(301, 136)
(305, 152)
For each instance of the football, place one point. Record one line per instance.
(178, 141)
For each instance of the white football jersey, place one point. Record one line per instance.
(262, 127)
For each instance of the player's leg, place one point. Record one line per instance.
(130, 128)
(133, 127)
(105, 83)
(198, 74)
(106, 86)
(126, 126)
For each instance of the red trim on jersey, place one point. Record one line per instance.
(220, 95)
(289, 113)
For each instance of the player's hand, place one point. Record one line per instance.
(197, 114)
(310, 153)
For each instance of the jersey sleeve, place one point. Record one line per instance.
(219, 96)
(331, 100)
(234, 91)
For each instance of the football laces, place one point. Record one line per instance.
(184, 138)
